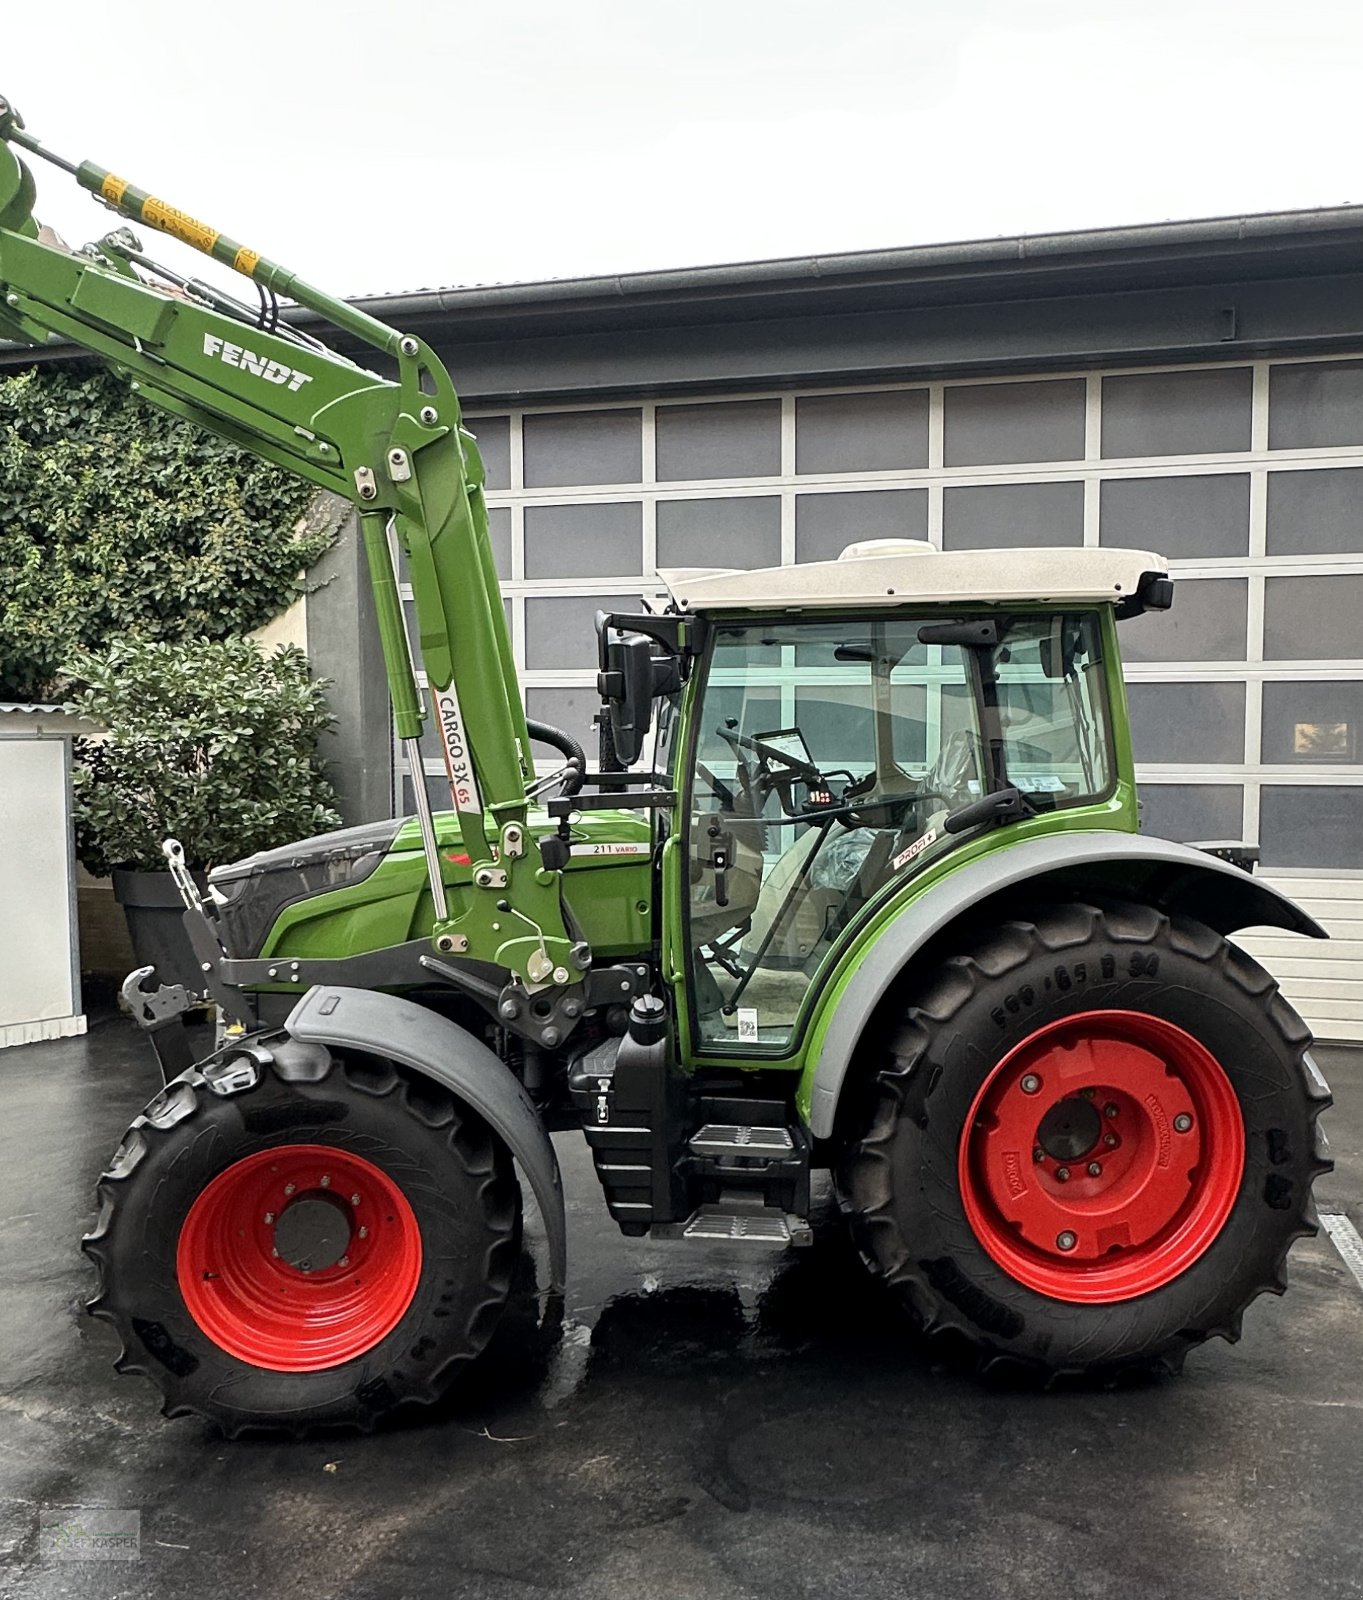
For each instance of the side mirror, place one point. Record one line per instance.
(626, 686)
(635, 670)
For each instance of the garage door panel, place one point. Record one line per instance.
(1341, 976)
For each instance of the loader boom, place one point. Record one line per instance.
(395, 448)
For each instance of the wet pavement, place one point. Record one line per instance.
(702, 1424)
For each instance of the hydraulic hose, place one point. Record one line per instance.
(546, 733)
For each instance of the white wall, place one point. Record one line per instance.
(1323, 981)
(39, 998)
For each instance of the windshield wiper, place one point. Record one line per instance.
(1004, 805)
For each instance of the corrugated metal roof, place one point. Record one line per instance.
(25, 719)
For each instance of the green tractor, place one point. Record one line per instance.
(856, 886)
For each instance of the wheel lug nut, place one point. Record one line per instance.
(344, 1261)
(1063, 1173)
(1182, 1122)
(326, 1181)
(1030, 1083)
(1065, 1241)
(354, 1199)
(364, 1233)
(1110, 1140)
(1088, 1094)
(288, 1188)
(269, 1218)
(1038, 1155)
(1095, 1169)
(1110, 1110)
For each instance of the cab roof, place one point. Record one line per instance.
(895, 572)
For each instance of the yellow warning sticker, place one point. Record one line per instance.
(179, 225)
(246, 260)
(113, 188)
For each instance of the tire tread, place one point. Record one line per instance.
(900, 1090)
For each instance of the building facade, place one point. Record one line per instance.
(1195, 389)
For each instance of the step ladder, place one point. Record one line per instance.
(743, 1154)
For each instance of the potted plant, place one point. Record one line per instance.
(208, 741)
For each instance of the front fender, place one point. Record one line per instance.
(387, 1025)
(1173, 877)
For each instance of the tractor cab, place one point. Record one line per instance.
(858, 721)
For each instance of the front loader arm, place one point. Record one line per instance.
(394, 448)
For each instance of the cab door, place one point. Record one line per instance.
(817, 752)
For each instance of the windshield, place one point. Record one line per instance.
(828, 757)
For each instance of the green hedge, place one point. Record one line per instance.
(119, 521)
(211, 742)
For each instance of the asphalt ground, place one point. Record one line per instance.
(701, 1424)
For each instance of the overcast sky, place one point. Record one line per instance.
(376, 146)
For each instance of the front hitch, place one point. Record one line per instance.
(160, 1011)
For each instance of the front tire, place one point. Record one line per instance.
(304, 1253)
(1090, 1144)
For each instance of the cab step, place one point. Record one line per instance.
(746, 1225)
(734, 1139)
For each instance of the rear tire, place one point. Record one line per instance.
(1090, 1144)
(302, 1254)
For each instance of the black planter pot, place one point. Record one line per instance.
(155, 913)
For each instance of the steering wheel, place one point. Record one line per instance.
(752, 760)
(767, 754)
(948, 778)
(754, 782)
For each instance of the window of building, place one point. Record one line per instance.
(1195, 413)
(999, 422)
(560, 630)
(569, 709)
(1181, 518)
(878, 432)
(494, 445)
(825, 524)
(1315, 405)
(1315, 513)
(1202, 724)
(1311, 825)
(1010, 515)
(1313, 619)
(1313, 724)
(1192, 812)
(1207, 623)
(728, 531)
(563, 448)
(727, 439)
(499, 537)
(584, 541)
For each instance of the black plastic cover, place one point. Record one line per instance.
(1155, 592)
(250, 894)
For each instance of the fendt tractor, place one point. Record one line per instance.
(856, 889)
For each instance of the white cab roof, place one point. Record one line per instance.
(897, 572)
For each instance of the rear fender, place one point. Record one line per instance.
(386, 1025)
(1157, 872)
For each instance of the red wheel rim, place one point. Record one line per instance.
(299, 1258)
(1102, 1156)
